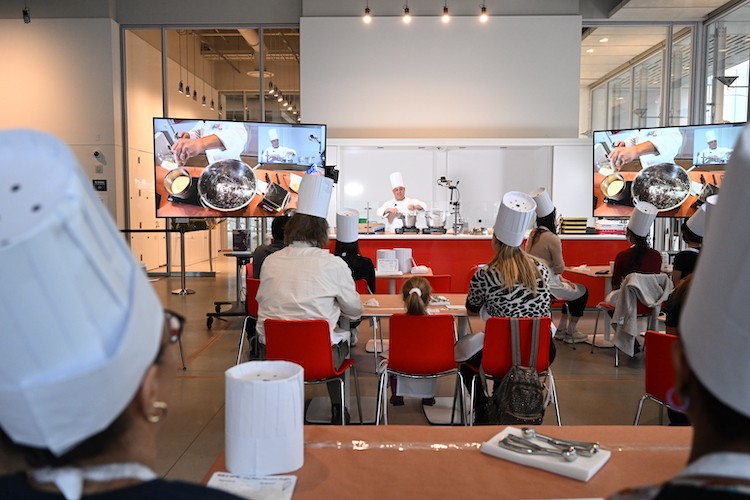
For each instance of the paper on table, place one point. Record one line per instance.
(372, 303)
(255, 488)
(581, 469)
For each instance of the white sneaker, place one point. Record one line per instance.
(576, 337)
(354, 337)
(560, 334)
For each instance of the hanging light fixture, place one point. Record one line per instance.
(270, 87)
(187, 67)
(367, 18)
(446, 17)
(483, 13)
(195, 74)
(203, 70)
(180, 87)
(407, 16)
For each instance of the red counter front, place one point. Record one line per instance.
(456, 255)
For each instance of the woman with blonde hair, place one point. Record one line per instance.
(513, 285)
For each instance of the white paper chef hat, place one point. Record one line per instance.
(81, 323)
(544, 204)
(642, 217)
(314, 195)
(710, 136)
(513, 217)
(272, 134)
(347, 225)
(397, 180)
(717, 345)
(697, 222)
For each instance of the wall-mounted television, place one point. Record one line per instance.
(221, 168)
(673, 168)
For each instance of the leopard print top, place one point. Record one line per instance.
(486, 290)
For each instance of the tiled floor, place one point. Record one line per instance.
(590, 389)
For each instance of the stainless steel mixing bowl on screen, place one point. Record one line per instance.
(666, 186)
(227, 185)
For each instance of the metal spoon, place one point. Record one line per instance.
(521, 445)
(584, 448)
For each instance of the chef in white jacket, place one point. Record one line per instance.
(399, 204)
(276, 153)
(713, 153)
(219, 140)
(650, 146)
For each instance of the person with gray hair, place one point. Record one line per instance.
(87, 364)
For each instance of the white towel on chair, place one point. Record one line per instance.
(649, 289)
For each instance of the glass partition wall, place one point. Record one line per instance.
(248, 73)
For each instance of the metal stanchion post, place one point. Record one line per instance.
(182, 290)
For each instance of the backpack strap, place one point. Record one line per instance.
(533, 355)
(515, 342)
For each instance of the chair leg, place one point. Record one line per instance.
(356, 392)
(343, 407)
(617, 357)
(553, 390)
(380, 406)
(242, 340)
(471, 399)
(640, 409)
(462, 395)
(596, 327)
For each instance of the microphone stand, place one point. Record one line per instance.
(456, 204)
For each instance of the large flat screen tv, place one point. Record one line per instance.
(673, 168)
(219, 168)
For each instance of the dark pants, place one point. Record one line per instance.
(576, 307)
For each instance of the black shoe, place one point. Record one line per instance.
(428, 401)
(336, 415)
(397, 400)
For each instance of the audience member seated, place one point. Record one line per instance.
(640, 257)
(277, 243)
(305, 281)
(692, 234)
(416, 293)
(544, 244)
(513, 285)
(86, 385)
(711, 355)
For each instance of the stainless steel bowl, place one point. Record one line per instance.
(613, 187)
(666, 186)
(177, 182)
(227, 185)
(435, 218)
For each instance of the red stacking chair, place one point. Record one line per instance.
(497, 357)
(440, 283)
(420, 347)
(362, 287)
(659, 376)
(251, 308)
(308, 343)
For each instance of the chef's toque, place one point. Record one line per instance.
(272, 134)
(710, 136)
(544, 204)
(347, 225)
(81, 322)
(513, 217)
(397, 180)
(714, 328)
(697, 222)
(641, 219)
(314, 195)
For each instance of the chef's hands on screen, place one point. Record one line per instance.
(414, 207)
(622, 154)
(185, 148)
(391, 211)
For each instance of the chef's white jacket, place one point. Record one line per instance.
(403, 208)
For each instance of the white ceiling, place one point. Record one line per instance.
(612, 46)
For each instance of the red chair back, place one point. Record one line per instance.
(471, 274)
(305, 342)
(497, 357)
(251, 302)
(362, 287)
(249, 270)
(421, 345)
(440, 283)
(659, 370)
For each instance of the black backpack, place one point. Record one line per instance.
(519, 398)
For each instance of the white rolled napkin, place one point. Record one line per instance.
(264, 418)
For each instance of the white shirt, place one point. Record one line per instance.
(306, 282)
(716, 155)
(280, 154)
(667, 142)
(233, 135)
(403, 208)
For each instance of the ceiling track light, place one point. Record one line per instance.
(270, 87)
(180, 87)
(188, 94)
(446, 16)
(483, 17)
(26, 13)
(367, 18)
(407, 16)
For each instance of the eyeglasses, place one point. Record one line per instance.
(174, 323)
